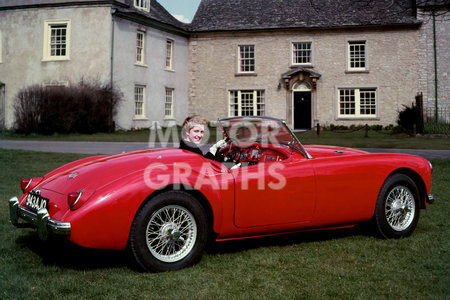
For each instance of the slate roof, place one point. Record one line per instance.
(433, 3)
(232, 15)
(157, 13)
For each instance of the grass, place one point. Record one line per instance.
(355, 139)
(375, 139)
(326, 264)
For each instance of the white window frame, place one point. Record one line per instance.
(140, 47)
(55, 83)
(170, 44)
(169, 103)
(293, 56)
(142, 4)
(356, 57)
(141, 97)
(344, 96)
(249, 67)
(236, 106)
(49, 25)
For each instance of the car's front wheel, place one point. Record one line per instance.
(169, 232)
(397, 208)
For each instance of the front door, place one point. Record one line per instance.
(302, 110)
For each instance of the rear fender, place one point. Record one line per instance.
(105, 220)
(211, 184)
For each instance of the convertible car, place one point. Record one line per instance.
(164, 205)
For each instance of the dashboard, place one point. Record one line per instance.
(252, 154)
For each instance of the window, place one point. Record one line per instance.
(247, 59)
(142, 4)
(169, 54)
(357, 103)
(168, 106)
(140, 42)
(301, 53)
(57, 40)
(139, 101)
(246, 103)
(357, 56)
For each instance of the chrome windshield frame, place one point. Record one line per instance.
(299, 144)
(299, 147)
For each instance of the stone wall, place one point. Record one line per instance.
(426, 83)
(22, 65)
(392, 70)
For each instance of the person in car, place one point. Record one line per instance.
(192, 136)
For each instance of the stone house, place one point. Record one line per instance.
(306, 61)
(135, 44)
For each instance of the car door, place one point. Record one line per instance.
(274, 193)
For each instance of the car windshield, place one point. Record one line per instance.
(248, 130)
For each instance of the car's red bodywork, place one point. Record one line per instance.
(337, 187)
(163, 205)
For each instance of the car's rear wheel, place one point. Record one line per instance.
(397, 209)
(169, 232)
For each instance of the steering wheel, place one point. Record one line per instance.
(229, 153)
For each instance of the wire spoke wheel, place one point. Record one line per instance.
(171, 233)
(397, 209)
(400, 208)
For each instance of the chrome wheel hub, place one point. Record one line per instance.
(400, 208)
(170, 232)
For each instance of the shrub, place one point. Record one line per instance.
(410, 117)
(437, 128)
(376, 127)
(80, 108)
(389, 127)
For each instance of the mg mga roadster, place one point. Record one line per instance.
(164, 205)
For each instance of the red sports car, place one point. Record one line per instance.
(163, 205)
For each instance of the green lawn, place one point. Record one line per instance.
(375, 139)
(355, 139)
(329, 264)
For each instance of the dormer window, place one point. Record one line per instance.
(142, 4)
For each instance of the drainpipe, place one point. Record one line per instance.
(113, 11)
(435, 67)
(3, 99)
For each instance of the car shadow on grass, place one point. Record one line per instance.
(284, 240)
(62, 253)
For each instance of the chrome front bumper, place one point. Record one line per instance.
(41, 220)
